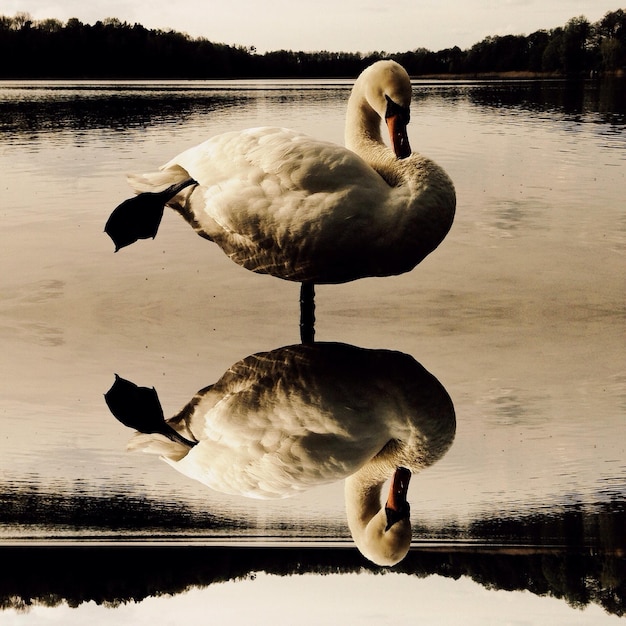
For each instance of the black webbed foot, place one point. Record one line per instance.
(140, 408)
(140, 217)
(136, 218)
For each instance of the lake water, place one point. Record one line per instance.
(519, 315)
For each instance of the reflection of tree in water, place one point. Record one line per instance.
(128, 108)
(568, 99)
(81, 109)
(588, 566)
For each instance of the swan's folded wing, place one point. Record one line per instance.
(273, 183)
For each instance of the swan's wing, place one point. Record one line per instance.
(271, 194)
(277, 160)
(273, 450)
(283, 425)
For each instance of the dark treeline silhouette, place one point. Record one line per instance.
(112, 575)
(114, 49)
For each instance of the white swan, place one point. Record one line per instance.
(281, 422)
(279, 202)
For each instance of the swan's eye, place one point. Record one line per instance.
(395, 110)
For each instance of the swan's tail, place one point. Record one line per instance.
(140, 408)
(156, 182)
(159, 445)
(140, 217)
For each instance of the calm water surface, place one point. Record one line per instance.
(518, 314)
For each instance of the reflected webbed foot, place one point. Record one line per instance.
(140, 408)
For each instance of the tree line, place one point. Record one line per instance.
(114, 49)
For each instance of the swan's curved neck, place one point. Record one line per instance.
(363, 493)
(362, 130)
(363, 135)
(380, 541)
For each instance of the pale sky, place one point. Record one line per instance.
(335, 25)
(347, 599)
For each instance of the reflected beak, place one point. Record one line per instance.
(398, 135)
(396, 507)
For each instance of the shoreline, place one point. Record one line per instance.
(509, 75)
(518, 75)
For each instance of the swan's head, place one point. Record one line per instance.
(387, 89)
(385, 538)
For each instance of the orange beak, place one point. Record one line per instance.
(398, 136)
(396, 506)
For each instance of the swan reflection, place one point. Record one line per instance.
(281, 422)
